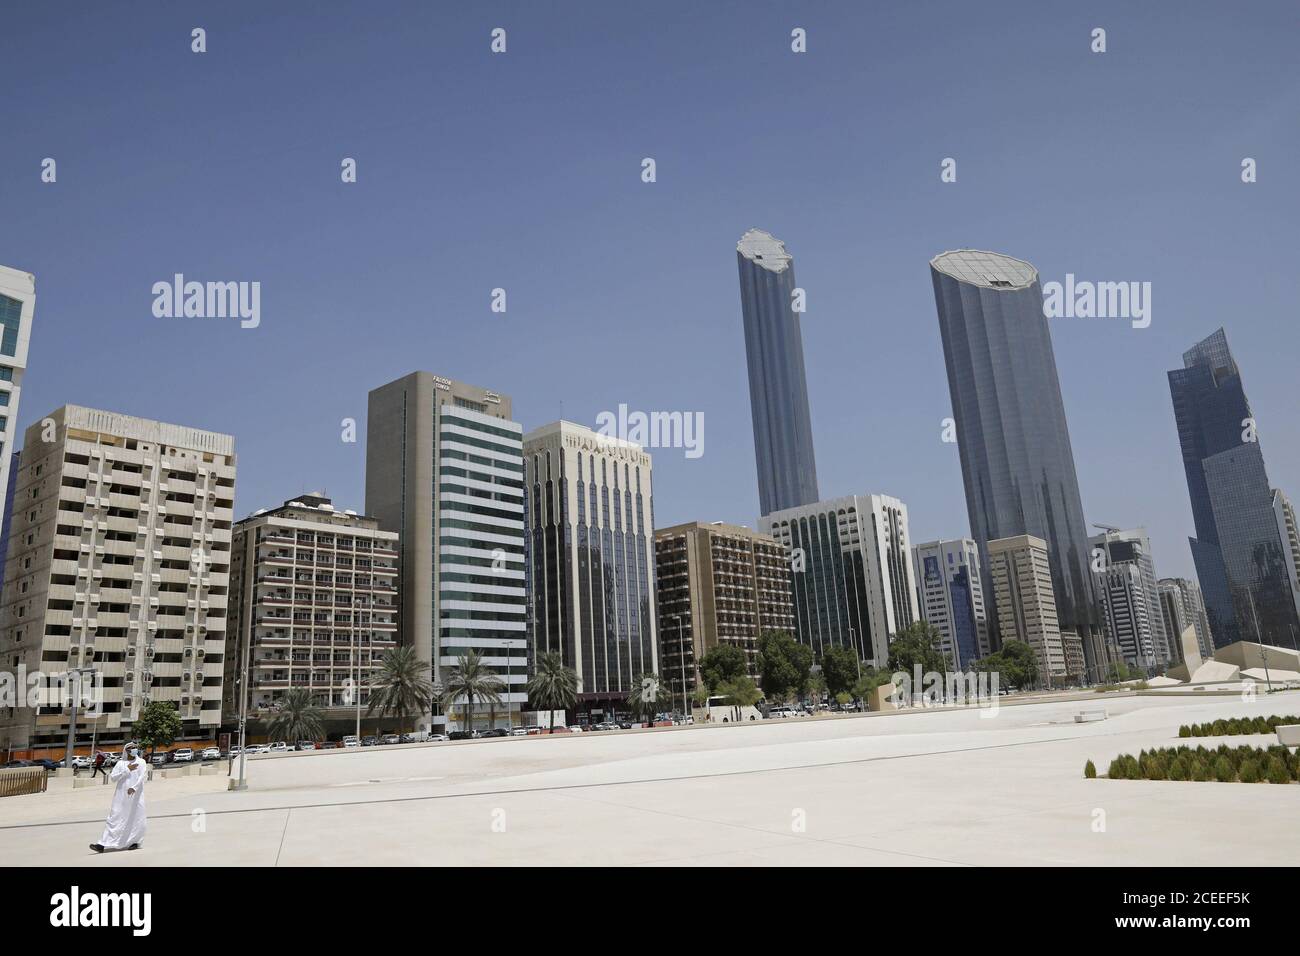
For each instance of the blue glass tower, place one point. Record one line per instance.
(1013, 441)
(778, 387)
(1237, 548)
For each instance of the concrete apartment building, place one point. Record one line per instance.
(313, 605)
(717, 584)
(119, 560)
(444, 469)
(1182, 606)
(851, 571)
(951, 595)
(1289, 531)
(591, 561)
(1026, 604)
(1130, 597)
(17, 303)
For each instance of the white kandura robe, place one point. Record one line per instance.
(126, 818)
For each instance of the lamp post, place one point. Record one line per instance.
(681, 659)
(76, 673)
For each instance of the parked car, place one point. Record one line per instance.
(461, 735)
(14, 764)
(279, 747)
(369, 741)
(437, 737)
(183, 755)
(306, 745)
(160, 758)
(389, 739)
(82, 763)
(349, 742)
(519, 732)
(210, 753)
(110, 757)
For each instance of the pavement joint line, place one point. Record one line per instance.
(280, 848)
(581, 786)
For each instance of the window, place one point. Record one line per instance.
(11, 311)
(6, 373)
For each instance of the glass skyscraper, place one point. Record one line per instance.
(1013, 441)
(1237, 548)
(778, 387)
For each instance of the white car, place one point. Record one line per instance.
(210, 753)
(279, 747)
(437, 737)
(183, 755)
(350, 742)
(82, 763)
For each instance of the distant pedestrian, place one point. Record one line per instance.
(98, 763)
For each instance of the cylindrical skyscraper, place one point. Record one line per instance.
(1014, 445)
(778, 388)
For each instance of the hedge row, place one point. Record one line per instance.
(1224, 764)
(1236, 725)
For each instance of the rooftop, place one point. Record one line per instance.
(988, 270)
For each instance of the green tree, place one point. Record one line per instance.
(296, 718)
(553, 686)
(741, 692)
(871, 679)
(472, 680)
(784, 665)
(918, 643)
(1015, 665)
(816, 687)
(840, 668)
(158, 725)
(400, 689)
(723, 664)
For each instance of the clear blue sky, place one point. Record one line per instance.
(523, 171)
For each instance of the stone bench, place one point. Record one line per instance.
(1289, 735)
(1088, 716)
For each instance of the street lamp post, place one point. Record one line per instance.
(76, 673)
(681, 659)
(244, 691)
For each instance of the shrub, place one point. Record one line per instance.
(1249, 772)
(1184, 731)
(1090, 770)
(1200, 768)
(1181, 768)
(1277, 770)
(1224, 771)
(1116, 769)
(1219, 728)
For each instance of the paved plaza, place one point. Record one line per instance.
(918, 788)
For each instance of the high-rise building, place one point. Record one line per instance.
(1288, 530)
(1012, 437)
(1020, 570)
(1182, 607)
(17, 303)
(119, 564)
(444, 469)
(313, 605)
(590, 561)
(952, 598)
(778, 387)
(1128, 578)
(1238, 550)
(718, 584)
(15, 464)
(851, 570)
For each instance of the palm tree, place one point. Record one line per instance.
(471, 679)
(553, 686)
(401, 688)
(648, 696)
(741, 692)
(296, 718)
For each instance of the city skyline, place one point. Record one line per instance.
(861, 351)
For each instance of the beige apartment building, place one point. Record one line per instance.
(118, 564)
(717, 584)
(1022, 590)
(313, 605)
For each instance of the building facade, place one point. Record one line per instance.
(1020, 570)
(1016, 460)
(1238, 549)
(718, 584)
(119, 564)
(851, 572)
(1182, 607)
(778, 386)
(1127, 579)
(951, 597)
(444, 469)
(1289, 532)
(17, 303)
(590, 567)
(313, 605)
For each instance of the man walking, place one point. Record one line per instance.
(126, 822)
(98, 763)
